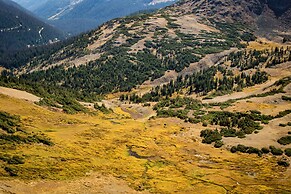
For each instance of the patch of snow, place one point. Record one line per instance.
(154, 2)
(40, 31)
(67, 8)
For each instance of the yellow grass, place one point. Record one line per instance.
(262, 44)
(100, 143)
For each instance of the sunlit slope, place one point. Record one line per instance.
(154, 156)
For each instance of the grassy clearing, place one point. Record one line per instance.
(160, 158)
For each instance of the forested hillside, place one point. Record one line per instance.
(20, 30)
(126, 52)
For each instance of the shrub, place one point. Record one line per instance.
(228, 132)
(288, 152)
(283, 113)
(102, 108)
(284, 140)
(193, 120)
(283, 163)
(241, 148)
(252, 150)
(240, 134)
(210, 136)
(276, 151)
(246, 149)
(265, 122)
(265, 150)
(218, 144)
(233, 149)
(9, 123)
(204, 124)
(146, 104)
(11, 171)
(43, 140)
(286, 98)
(16, 160)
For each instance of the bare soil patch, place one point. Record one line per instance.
(136, 111)
(266, 137)
(190, 25)
(107, 34)
(88, 185)
(257, 89)
(19, 94)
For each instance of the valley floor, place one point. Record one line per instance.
(130, 150)
(114, 153)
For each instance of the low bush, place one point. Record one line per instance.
(9, 123)
(102, 108)
(240, 134)
(246, 149)
(210, 136)
(265, 150)
(228, 132)
(11, 171)
(233, 149)
(276, 151)
(16, 160)
(284, 140)
(288, 152)
(193, 120)
(204, 124)
(218, 144)
(283, 163)
(286, 98)
(252, 150)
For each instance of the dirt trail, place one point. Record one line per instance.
(19, 94)
(87, 185)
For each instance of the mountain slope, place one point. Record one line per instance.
(82, 15)
(159, 155)
(17, 22)
(266, 16)
(30, 4)
(149, 97)
(144, 47)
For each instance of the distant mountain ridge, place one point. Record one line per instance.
(126, 52)
(19, 28)
(77, 16)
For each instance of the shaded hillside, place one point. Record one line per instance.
(19, 29)
(82, 15)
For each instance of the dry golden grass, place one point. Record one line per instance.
(262, 44)
(169, 162)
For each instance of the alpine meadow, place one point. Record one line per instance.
(189, 96)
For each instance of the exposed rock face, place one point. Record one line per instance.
(267, 17)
